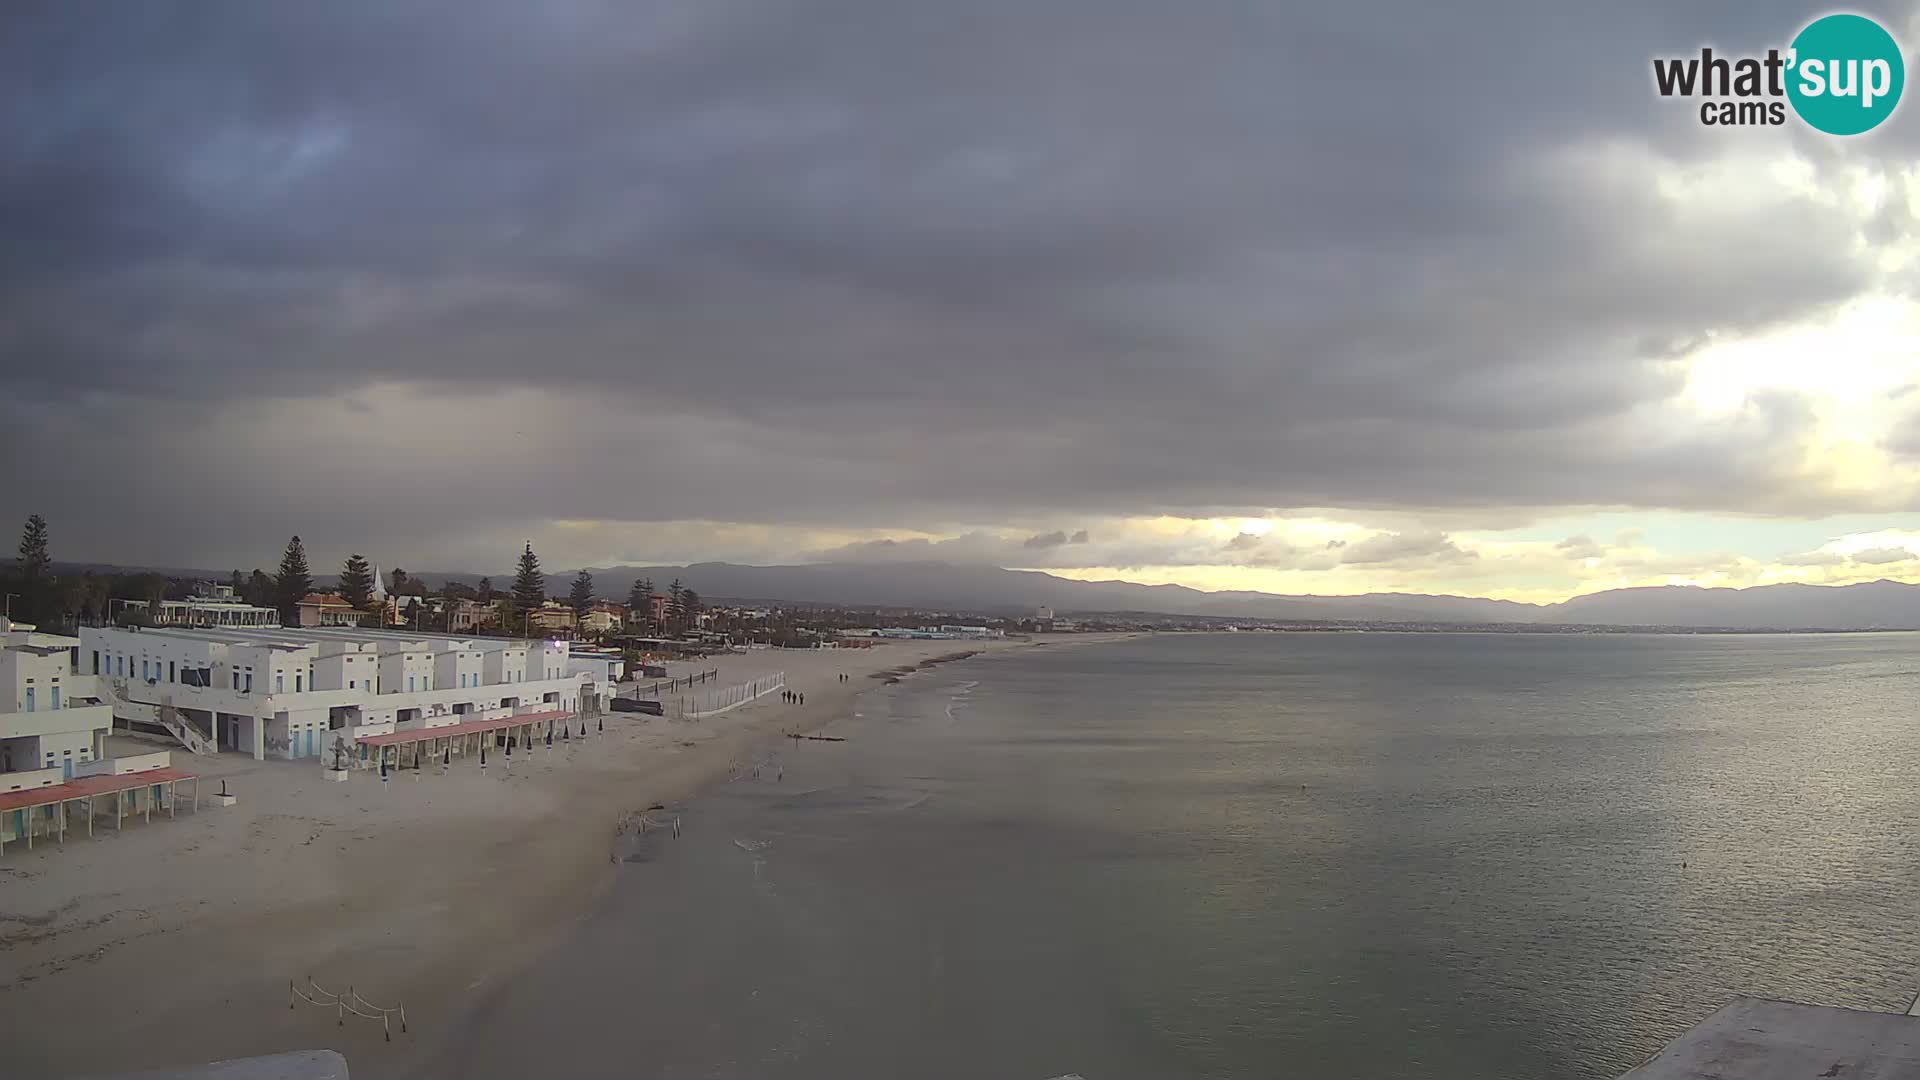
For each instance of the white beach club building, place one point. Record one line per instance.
(293, 692)
(51, 719)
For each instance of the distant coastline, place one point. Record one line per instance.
(992, 593)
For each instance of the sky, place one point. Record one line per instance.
(1387, 296)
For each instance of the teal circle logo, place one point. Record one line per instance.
(1846, 74)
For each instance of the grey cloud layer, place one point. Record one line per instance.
(871, 262)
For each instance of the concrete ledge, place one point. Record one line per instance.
(297, 1065)
(1758, 1039)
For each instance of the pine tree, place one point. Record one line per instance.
(581, 595)
(356, 582)
(293, 583)
(640, 602)
(34, 560)
(676, 609)
(529, 584)
(236, 583)
(690, 609)
(399, 582)
(484, 593)
(260, 589)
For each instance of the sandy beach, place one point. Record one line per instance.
(175, 942)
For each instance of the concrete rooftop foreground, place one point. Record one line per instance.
(297, 1065)
(1757, 1039)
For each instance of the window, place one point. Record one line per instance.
(29, 707)
(351, 685)
(296, 682)
(143, 671)
(409, 684)
(279, 683)
(96, 661)
(170, 673)
(249, 682)
(236, 680)
(55, 696)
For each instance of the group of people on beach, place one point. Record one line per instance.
(793, 698)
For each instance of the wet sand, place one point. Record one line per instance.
(175, 942)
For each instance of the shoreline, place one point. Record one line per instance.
(428, 889)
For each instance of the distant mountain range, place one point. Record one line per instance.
(953, 587)
(991, 590)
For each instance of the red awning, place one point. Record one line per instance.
(88, 786)
(465, 727)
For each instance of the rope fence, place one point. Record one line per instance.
(715, 702)
(648, 823)
(349, 1002)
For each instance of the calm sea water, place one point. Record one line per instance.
(1360, 855)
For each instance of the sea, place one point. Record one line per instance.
(1371, 855)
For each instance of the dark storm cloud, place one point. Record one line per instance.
(1056, 538)
(874, 263)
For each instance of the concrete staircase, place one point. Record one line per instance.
(163, 714)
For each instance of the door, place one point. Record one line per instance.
(309, 752)
(66, 769)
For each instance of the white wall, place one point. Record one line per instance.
(349, 669)
(547, 660)
(127, 763)
(504, 666)
(21, 670)
(457, 669)
(406, 672)
(21, 781)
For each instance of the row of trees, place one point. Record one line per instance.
(681, 611)
(34, 594)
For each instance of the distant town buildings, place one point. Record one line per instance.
(328, 609)
(468, 616)
(922, 633)
(603, 619)
(215, 606)
(551, 617)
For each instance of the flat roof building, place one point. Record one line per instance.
(51, 718)
(318, 691)
(203, 611)
(327, 609)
